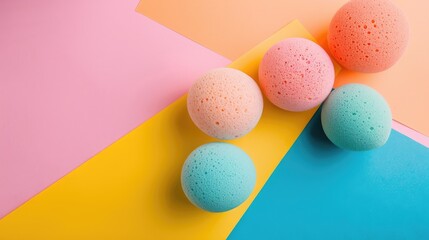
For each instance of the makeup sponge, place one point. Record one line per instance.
(218, 177)
(225, 103)
(368, 35)
(296, 74)
(356, 117)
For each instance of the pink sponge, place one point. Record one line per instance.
(225, 103)
(368, 35)
(296, 74)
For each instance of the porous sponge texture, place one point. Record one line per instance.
(368, 35)
(356, 117)
(218, 177)
(225, 103)
(296, 74)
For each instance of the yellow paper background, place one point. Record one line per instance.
(131, 190)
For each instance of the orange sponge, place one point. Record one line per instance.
(368, 35)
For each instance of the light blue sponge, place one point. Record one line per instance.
(356, 117)
(218, 177)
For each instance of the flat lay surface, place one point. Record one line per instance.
(95, 125)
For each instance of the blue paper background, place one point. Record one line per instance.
(319, 191)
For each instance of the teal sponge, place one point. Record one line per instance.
(356, 117)
(218, 177)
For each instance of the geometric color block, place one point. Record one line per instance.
(75, 76)
(411, 133)
(131, 189)
(232, 27)
(319, 191)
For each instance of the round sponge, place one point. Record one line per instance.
(218, 177)
(356, 117)
(225, 103)
(296, 74)
(368, 35)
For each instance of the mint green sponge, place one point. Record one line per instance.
(218, 177)
(356, 117)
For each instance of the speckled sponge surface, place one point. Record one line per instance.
(218, 177)
(356, 117)
(296, 74)
(368, 35)
(225, 103)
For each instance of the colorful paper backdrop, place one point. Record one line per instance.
(75, 76)
(131, 190)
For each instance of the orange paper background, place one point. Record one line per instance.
(233, 27)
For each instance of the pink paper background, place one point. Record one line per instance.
(74, 77)
(411, 133)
